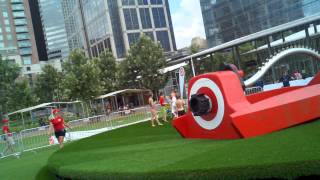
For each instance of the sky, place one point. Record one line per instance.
(187, 21)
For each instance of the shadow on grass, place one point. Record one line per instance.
(44, 173)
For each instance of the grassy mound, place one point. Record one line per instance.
(141, 152)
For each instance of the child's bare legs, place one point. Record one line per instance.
(154, 118)
(164, 114)
(60, 140)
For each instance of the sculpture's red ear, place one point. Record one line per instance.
(315, 80)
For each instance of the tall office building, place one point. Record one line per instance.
(17, 40)
(225, 20)
(54, 31)
(96, 25)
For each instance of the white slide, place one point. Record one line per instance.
(270, 62)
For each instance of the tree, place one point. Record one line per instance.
(194, 48)
(20, 96)
(9, 72)
(141, 67)
(81, 77)
(247, 58)
(48, 84)
(129, 74)
(108, 69)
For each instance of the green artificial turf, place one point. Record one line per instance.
(143, 152)
(30, 166)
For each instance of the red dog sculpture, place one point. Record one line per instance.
(219, 109)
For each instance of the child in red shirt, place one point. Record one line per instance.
(163, 109)
(8, 138)
(59, 126)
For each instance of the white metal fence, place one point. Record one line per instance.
(10, 144)
(35, 138)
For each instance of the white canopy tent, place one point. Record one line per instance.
(30, 108)
(113, 95)
(39, 106)
(173, 67)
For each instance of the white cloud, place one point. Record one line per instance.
(187, 22)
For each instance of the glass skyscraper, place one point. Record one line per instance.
(116, 24)
(226, 20)
(76, 35)
(54, 29)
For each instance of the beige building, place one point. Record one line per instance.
(200, 42)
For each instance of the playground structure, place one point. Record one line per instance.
(219, 109)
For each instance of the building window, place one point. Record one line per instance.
(20, 22)
(21, 29)
(25, 51)
(131, 18)
(5, 14)
(163, 38)
(1, 45)
(26, 60)
(94, 51)
(17, 7)
(23, 36)
(9, 37)
(156, 1)
(128, 2)
(159, 17)
(16, 1)
(145, 18)
(24, 44)
(133, 38)
(6, 22)
(8, 29)
(18, 14)
(143, 2)
(107, 44)
(28, 68)
(100, 47)
(150, 35)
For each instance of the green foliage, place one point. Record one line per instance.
(48, 85)
(129, 73)
(194, 48)
(211, 64)
(141, 67)
(244, 58)
(108, 70)
(9, 72)
(81, 77)
(20, 96)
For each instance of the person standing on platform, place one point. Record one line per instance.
(285, 79)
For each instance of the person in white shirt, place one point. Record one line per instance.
(173, 104)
